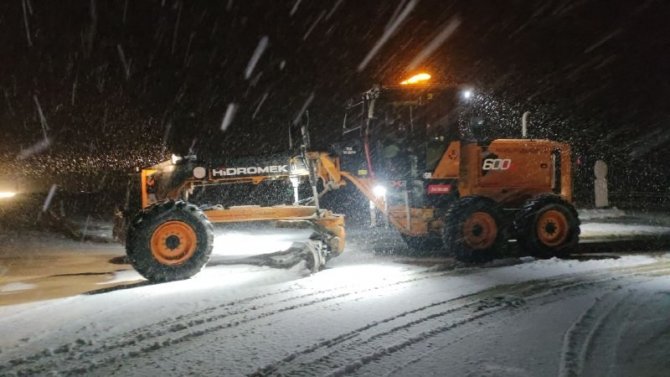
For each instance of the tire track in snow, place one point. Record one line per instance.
(594, 339)
(83, 358)
(140, 341)
(577, 340)
(164, 326)
(346, 349)
(471, 312)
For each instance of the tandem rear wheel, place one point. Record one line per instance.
(547, 226)
(473, 230)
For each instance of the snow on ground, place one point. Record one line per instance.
(591, 214)
(369, 313)
(618, 230)
(613, 224)
(11, 287)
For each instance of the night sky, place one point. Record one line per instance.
(118, 84)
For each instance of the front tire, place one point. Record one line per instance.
(473, 229)
(547, 226)
(169, 241)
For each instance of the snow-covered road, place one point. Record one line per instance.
(370, 314)
(366, 315)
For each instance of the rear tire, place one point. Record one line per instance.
(473, 230)
(169, 241)
(547, 226)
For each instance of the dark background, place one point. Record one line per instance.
(122, 84)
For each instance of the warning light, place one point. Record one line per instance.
(416, 79)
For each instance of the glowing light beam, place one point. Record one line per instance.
(416, 79)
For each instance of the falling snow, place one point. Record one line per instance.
(50, 195)
(228, 116)
(94, 91)
(262, 45)
(434, 44)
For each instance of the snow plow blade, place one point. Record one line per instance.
(328, 227)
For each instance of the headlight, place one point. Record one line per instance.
(379, 191)
(7, 194)
(175, 159)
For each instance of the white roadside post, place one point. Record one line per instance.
(600, 184)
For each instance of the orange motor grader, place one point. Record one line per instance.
(419, 155)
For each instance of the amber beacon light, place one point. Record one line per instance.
(416, 79)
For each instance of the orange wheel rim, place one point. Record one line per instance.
(480, 231)
(173, 243)
(552, 228)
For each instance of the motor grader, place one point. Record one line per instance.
(415, 151)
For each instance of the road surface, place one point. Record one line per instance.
(369, 314)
